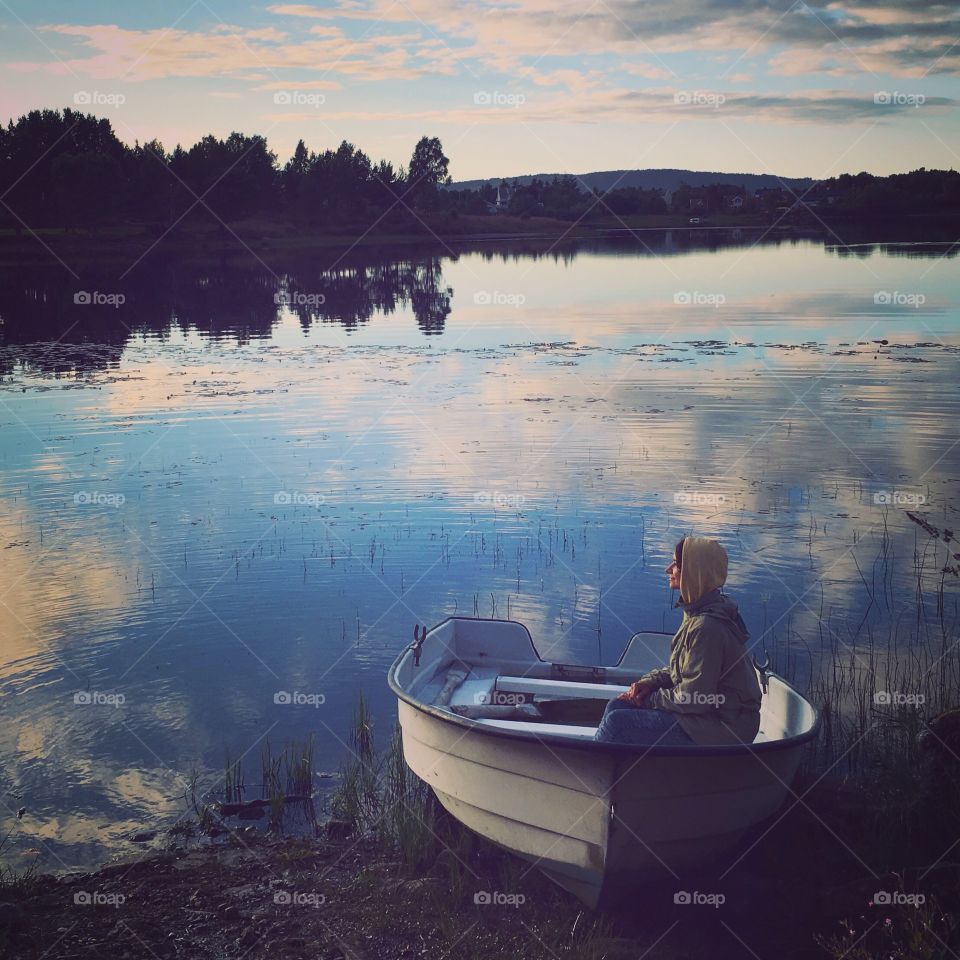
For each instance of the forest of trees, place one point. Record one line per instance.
(69, 170)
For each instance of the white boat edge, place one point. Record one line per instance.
(590, 815)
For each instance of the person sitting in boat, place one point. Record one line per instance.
(709, 694)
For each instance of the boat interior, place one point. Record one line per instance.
(489, 672)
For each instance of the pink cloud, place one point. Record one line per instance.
(118, 54)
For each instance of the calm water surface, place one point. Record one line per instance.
(241, 482)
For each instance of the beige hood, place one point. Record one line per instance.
(703, 567)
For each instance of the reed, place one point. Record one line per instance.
(202, 810)
(887, 759)
(358, 798)
(384, 800)
(233, 783)
(13, 880)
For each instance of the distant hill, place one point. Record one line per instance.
(668, 180)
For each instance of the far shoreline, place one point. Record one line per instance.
(260, 238)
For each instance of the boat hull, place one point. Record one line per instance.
(593, 823)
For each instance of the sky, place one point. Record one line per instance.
(512, 86)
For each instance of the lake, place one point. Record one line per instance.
(230, 490)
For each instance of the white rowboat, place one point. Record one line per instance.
(590, 815)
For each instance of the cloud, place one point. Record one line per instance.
(638, 38)
(119, 54)
(304, 10)
(646, 70)
(623, 106)
(904, 36)
(300, 85)
(576, 81)
(585, 52)
(902, 57)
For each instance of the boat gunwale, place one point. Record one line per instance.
(599, 746)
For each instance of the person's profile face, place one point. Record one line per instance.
(673, 572)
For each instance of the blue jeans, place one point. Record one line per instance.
(622, 722)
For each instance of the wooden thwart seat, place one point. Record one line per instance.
(559, 688)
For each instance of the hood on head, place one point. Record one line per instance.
(703, 567)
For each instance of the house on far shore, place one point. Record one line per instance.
(734, 201)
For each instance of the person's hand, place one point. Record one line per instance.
(638, 692)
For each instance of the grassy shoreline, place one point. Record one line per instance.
(797, 893)
(392, 875)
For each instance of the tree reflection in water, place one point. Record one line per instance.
(42, 324)
(58, 324)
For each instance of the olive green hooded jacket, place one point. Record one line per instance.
(710, 684)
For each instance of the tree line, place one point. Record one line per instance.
(68, 169)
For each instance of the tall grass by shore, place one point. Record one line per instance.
(889, 747)
(889, 696)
